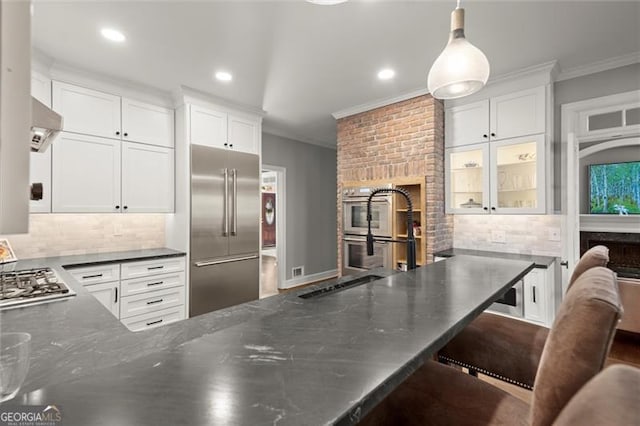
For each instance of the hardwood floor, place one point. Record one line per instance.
(624, 350)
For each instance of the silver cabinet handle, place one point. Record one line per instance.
(234, 228)
(219, 262)
(226, 203)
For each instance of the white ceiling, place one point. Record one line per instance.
(300, 62)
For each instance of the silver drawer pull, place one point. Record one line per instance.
(156, 283)
(154, 322)
(154, 302)
(151, 268)
(84, 277)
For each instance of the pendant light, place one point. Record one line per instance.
(461, 69)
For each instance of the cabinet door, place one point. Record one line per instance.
(518, 175)
(108, 294)
(147, 178)
(208, 127)
(518, 114)
(535, 296)
(40, 162)
(86, 174)
(466, 124)
(147, 123)
(87, 111)
(467, 179)
(243, 134)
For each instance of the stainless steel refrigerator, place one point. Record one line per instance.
(225, 215)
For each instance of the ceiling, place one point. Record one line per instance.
(300, 62)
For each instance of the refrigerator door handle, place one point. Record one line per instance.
(225, 232)
(234, 226)
(219, 262)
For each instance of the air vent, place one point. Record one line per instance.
(298, 271)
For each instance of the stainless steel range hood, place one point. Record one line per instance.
(45, 125)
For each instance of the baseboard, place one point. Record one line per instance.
(308, 279)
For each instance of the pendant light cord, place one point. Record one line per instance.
(458, 5)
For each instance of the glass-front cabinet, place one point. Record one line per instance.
(505, 176)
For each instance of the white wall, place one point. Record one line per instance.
(68, 234)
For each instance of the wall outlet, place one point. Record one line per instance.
(498, 236)
(117, 229)
(298, 271)
(554, 235)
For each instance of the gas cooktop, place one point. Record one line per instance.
(30, 287)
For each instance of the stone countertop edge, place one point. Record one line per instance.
(540, 261)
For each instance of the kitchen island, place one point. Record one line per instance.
(284, 359)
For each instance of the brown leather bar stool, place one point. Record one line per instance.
(610, 398)
(575, 351)
(505, 348)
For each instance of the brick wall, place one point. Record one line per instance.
(405, 139)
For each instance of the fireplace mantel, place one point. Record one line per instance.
(609, 223)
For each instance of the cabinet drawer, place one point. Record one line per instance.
(96, 274)
(152, 267)
(150, 302)
(154, 319)
(156, 282)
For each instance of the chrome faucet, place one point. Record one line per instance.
(411, 240)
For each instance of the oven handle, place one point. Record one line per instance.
(363, 240)
(381, 200)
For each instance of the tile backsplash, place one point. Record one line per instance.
(525, 234)
(69, 234)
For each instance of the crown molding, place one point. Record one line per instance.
(266, 128)
(607, 64)
(186, 94)
(379, 103)
(545, 69)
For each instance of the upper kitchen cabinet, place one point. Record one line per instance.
(147, 178)
(95, 113)
(501, 117)
(145, 123)
(86, 174)
(467, 182)
(220, 129)
(40, 162)
(87, 111)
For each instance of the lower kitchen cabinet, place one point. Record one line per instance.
(108, 295)
(540, 296)
(142, 294)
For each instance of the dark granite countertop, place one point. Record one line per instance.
(279, 360)
(540, 261)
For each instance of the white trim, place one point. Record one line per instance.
(609, 223)
(308, 279)
(379, 103)
(289, 135)
(616, 143)
(607, 64)
(188, 95)
(281, 221)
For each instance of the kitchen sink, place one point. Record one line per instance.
(341, 286)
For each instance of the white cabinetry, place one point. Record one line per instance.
(145, 123)
(143, 294)
(501, 117)
(86, 174)
(220, 129)
(505, 176)
(539, 296)
(87, 111)
(40, 162)
(147, 178)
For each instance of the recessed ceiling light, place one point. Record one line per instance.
(112, 35)
(386, 74)
(224, 76)
(326, 2)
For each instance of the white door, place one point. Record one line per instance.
(467, 179)
(518, 114)
(243, 134)
(147, 178)
(86, 174)
(108, 294)
(535, 297)
(40, 162)
(145, 123)
(518, 183)
(466, 124)
(86, 111)
(208, 127)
